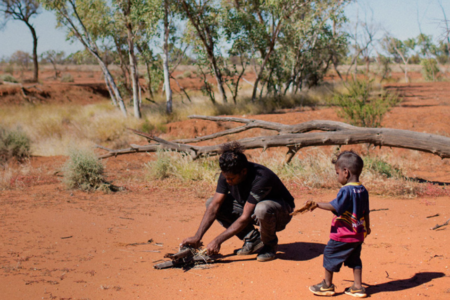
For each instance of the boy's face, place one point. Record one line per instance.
(343, 174)
(234, 179)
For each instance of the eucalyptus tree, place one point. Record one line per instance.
(24, 10)
(204, 17)
(279, 34)
(312, 43)
(54, 58)
(400, 50)
(86, 21)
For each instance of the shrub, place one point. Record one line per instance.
(362, 105)
(84, 171)
(187, 74)
(8, 78)
(9, 69)
(430, 69)
(377, 165)
(67, 78)
(14, 144)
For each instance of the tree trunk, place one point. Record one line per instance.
(112, 85)
(134, 72)
(35, 57)
(166, 59)
(219, 78)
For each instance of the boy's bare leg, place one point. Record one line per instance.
(329, 277)
(357, 274)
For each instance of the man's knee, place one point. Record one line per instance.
(263, 209)
(208, 202)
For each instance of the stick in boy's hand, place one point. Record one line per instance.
(309, 206)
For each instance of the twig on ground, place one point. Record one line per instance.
(66, 237)
(139, 244)
(442, 225)
(379, 209)
(436, 215)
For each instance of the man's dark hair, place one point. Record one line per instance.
(349, 160)
(233, 159)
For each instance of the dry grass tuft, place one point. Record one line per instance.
(314, 170)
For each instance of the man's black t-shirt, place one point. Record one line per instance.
(260, 184)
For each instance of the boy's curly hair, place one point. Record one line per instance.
(232, 159)
(349, 160)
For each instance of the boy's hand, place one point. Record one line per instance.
(313, 206)
(368, 231)
(309, 206)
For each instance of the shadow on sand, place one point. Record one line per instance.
(404, 284)
(300, 251)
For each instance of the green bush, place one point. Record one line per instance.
(84, 171)
(363, 105)
(430, 69)
(187, 74)
(14, 144)
(9, 69)
(67, 78)
(148, 127)
(381, 167)
(8, 78)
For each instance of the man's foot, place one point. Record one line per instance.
(250, 247)
(267, 253)
(322, 289)
(358, 293)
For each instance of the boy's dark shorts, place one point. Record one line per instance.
(336, 253)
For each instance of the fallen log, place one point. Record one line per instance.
(435, 144)
(321, 125)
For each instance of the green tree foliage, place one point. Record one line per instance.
(362, 105)
(86, 21)
(430, 69)
(400, 50)
(55, 58)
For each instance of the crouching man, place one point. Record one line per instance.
(247, 194)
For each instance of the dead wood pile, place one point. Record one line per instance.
(185, 258)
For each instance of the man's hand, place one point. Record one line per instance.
(213, 248)
(193, 242)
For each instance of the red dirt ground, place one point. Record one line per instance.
(61, 244)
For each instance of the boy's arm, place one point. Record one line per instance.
(367, 219)
(325, 206)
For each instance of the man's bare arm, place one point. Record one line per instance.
(208, 219)
(235, 228)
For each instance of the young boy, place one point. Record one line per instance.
(348, 228)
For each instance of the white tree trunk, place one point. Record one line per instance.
(166, 59)
(134, 73)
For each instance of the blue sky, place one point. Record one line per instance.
(399, 17)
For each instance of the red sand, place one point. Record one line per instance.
(60, 244)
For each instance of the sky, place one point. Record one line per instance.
(400, 18)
